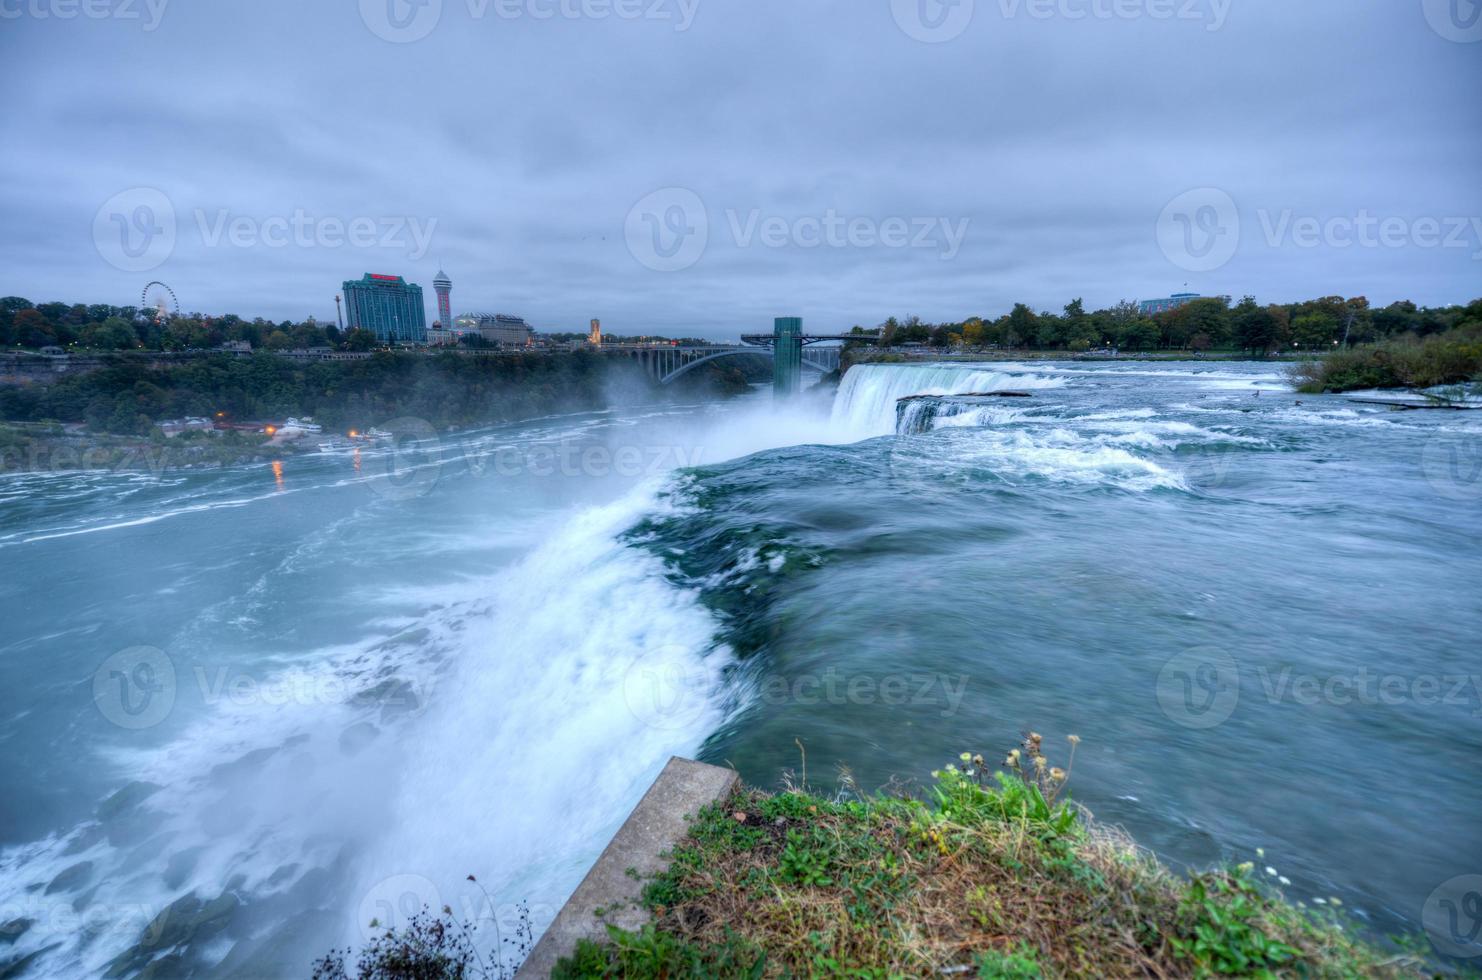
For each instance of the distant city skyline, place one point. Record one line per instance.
(699, 173)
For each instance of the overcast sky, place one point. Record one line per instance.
(701, 166)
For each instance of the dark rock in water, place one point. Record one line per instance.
(215, 916)
(86, 838)
(314, 887)
(252, 760)
(147, 854)
(187, 920)
(410, 638)
(281, 875)
(916, 414)
(971, 394)
(71, 878)
(84, 899)
(283, 952)
(395, 697)
(223, 816)
(18, 967)
(15, 929)
(355, 739)
(180, 865)
(172, 926)
(126, 799)
(165, 968)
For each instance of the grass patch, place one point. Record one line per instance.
(993, 876)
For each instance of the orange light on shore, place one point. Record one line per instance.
(354, 434)
(271, 429)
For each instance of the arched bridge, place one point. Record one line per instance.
(664, 364)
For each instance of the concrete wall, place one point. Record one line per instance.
(655, 826)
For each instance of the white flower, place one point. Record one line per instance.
(1319, 901)
(1271, 871)
(1284, 880)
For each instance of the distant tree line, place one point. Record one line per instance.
(445, 390)
(99, 326)
(1211, 323)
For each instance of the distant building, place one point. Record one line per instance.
(595, 337)
(444, 287)
(440, 336)
(387, 306)
(1151, 306)
(498, 329)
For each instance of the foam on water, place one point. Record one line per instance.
(541, 697)
(587, 673)
(866, 403)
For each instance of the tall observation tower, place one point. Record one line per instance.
(444, 287)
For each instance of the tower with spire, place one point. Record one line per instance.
(444, 287)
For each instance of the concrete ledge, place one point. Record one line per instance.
(656, 824)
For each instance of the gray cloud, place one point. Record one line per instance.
(1059, 140)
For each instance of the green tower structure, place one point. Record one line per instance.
(787, 365)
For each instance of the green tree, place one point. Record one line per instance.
(1022, 326)
(1139, 334)
(1315, 330)
(362, 340)
(32, 329)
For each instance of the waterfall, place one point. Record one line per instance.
(866, 403)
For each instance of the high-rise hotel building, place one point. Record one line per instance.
(387, 306)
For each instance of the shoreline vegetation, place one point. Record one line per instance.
(994, 875)
(108, 418)
(1203, 324)
(991, 873)
(1451, 359)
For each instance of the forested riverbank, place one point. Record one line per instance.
(442, 390)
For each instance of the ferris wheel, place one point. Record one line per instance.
(158, 301)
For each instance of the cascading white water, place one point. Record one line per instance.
(865, 405)
(586, 673)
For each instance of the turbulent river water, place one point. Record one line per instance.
(244, 711)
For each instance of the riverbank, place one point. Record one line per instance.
(990, 872)
(995, 875)
(51, 447)
(109, 418)
(443, 391)
(1451, 359)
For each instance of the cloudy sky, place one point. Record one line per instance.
(701, 166)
